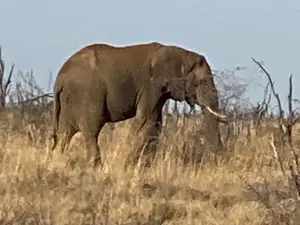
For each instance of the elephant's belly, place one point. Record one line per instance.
(121, 103)
(120, 113)
(122, 110)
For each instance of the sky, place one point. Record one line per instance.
(41, 35)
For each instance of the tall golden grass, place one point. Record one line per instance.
(246, 186)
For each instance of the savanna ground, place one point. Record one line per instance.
(244, 186)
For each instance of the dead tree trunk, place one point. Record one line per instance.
(4, 85)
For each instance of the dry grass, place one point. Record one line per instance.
(38, 188)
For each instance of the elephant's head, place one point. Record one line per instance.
(187, 76)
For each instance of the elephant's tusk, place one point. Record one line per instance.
(223, 117)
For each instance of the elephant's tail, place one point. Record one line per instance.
(56, 112)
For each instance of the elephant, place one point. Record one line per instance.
(102, 83)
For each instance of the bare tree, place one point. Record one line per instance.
(285, 123)
(231, 89)
(5, 84)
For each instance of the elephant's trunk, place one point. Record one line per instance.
(207, 98)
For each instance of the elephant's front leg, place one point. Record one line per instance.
(146, 133)
(152, 133)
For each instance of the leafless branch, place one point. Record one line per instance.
(276, 95)
(272, 85)
(285, 124)
(48, 95)
(260, 110)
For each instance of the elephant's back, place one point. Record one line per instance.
(85, 58)
(108, 59)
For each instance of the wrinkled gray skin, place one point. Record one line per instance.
(102, 83)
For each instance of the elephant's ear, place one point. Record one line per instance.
(199, 72)
(202, 68)
(159, 62)
(193, 61)
(167, 60)
(166, 68)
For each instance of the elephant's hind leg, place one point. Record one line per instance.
(147, 142)
(91, 122)
(90, 132)
(70, 131)
(91, 141)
